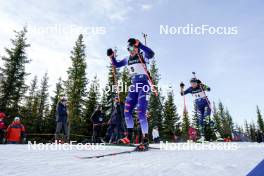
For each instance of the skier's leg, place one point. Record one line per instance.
(200, 109)
(142, 110)
(207, 111)
(140, 135)
(130, 103)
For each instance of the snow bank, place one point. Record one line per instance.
(18, 160)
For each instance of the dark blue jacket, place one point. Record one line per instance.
(62, 114)
(97, 117)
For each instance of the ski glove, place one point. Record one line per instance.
(109, 52)
(182, 85)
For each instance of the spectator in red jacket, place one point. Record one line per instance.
(192, 134)
(2, 128)
(15, 132)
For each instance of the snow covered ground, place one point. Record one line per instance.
(18, 160)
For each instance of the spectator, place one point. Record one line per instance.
(192, 132)
(155, 134)
(97, 119)
(2, 128)
(62, 120)
(15, 133)
(112, 130)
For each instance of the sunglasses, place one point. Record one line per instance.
(131, 48)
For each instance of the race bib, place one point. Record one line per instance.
(199, 95)
(136, 69)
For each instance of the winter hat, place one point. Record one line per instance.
(63, 98)
(16, 118)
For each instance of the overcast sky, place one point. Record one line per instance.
(232, 65)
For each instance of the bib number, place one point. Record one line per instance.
(199, 95)
(132, 69)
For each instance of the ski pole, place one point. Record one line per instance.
(149, 78)
(184, 104)
(114, 75)
(184, 98)
(147, 73)
(145, 68)
(209, 104)
(145, 38)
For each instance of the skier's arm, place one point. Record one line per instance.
(148, 53)
(187, 91)
(110, 53)
(119, 64)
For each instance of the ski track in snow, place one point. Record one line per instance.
(17, 160)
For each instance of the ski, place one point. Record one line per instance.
(129, 145)
(116, 153)
(106, 155)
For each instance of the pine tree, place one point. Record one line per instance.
(40, 104)
(155, 106)
(31, 94)
(13, 73)
(35, 109)
(43, 100)
(209, 130)
(247, 130)
(30, 109)
(217, 120)
(252, 129)
(92, 101)
(195, 117)
(171, 118)
(230, 122)
(227, 125)
(75, 85)
(185, 124)
(260, 120)
(221, 116)
(109, 92)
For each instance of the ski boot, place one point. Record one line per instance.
(128, 138)
(144, 146)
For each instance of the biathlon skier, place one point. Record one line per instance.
(201, 101)
(139, 55)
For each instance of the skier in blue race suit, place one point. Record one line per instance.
(137, 95)
(201, 101)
